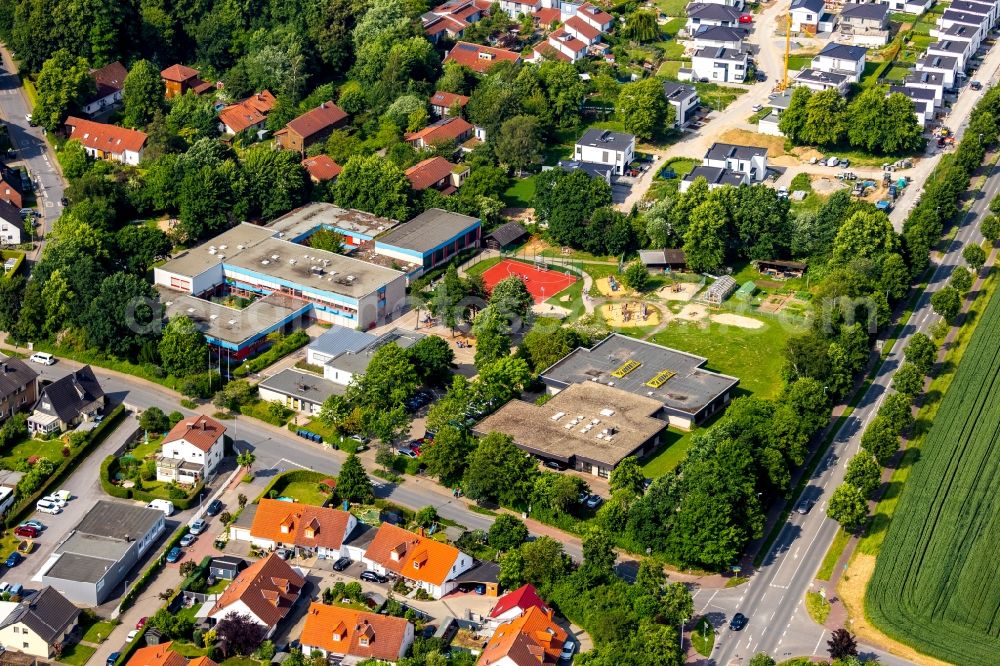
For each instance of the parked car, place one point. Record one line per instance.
(342, 564)
(112, 658)
(30, 120)
(16, 590)
(746, 18)
(13, 559)
(282, 553)
(187, 540)
(555, 464)
(26, 531)
(47, 507)
(131, 635)
(198, 526)
(582, 499)
(175, 554)
(569, 647)
(408, 452)
(58, 501)
(976, 85)
(141, 623)
(43, 358)
(361, 442)
(373, 577)
(843, 164)
(214, 508)
(738, 622)
(594, 501)
(757, 107)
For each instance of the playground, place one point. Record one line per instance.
(630, 315)
(542, 283)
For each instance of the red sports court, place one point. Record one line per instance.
(542, 283)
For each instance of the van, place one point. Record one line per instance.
(43, 358)
(166, 506)
(16, 590)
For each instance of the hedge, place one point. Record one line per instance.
(290, 477)
(142, 582)
(281, 347)
(110, 466)
(181, 504)
(26, 506)
(12, 254)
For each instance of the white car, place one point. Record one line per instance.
(47, 507)
(131, 635)
(43, 358)
(64, 495)
(758, 107)
(55, 499)
(569, 647)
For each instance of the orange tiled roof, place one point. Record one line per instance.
(178, 73)
(300, 524)
(412, 556)
(104, 137)
(315, 120)
(157, 655)
(578, 25)
(429, 172)
(240, 116)
(268, 588)
(546, 50)
(564, 37)
(532, 638)
(479, 58)
(263, 101)
(202, 661)
(595, 13)
(443, 130)
(322, 168)
(10, 194)
(547, 15)
(339, 630)
(202, 431)
(447, 100)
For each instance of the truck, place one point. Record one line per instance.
(884, 206)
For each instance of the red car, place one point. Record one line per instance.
(26, 531)
(141, 623)
(746, 18)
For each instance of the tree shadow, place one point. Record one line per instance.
(785, 540)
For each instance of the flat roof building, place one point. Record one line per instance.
(302, 391)
(431, 238)
(356, 226)
(687, 392)
(355, 354)
(588, 426)
(101, 551)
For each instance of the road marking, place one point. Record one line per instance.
(821, 637)
(292, 462)
(707, 603)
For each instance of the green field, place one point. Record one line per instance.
(934, 584)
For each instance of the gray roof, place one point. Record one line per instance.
(965, 18)
(428, 230)
(69, 395)
(302, 385)
(116, 520)
(47, 613)
(939, 62)
(228, 562)
(816, 76)
(721, 53)
(949, 46)
(507, 233)
(925, 77)
(714, 12)
(592, 170)
(231, 324)
(959, 31)
(843, 52)
(723, 151)
(716, 175)
(782, 100)
(340, 339)
(14, 375)
(913, 93)
(357, 362)
(719, 33)
(875, 11)
(80, 568)
(662, 257)
(689, 390)
(675, 92)
(320, 214)
(815, 6)
(598, 138)
(481, 572)
(11, 214)
(971, 7)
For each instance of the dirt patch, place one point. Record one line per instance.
(807, 153)
(851, 590)
(737, 320)
(679, 291)
(519, 214)
(775, 144)
(692, 312)
(824, 185)
(774, 303)
(785, 161)
(630, 314)
(534, 246)
(604, 285)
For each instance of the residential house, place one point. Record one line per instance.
(719, 36)
(603, 171)
(302, 528)
(684, 99)
(311, 127)
(560, 45)
(592, 15)
(441, 132)
(438, 173)
(265, 591)
(109, 84)
(928, 80)
(515, 8)
(819, 81)
(10, 186)
(841, 59)
(12, 231)
(737, 4)
(191, 451)
(321, 169)
(865, 23)
(769, 123)
(442, 103)
(720, 65)
(582, 30)
(453, 17)
(340, 633)
(959, 33)
(751, 160)
(946, 66)
(39, 625)
(989, 10)
(705, 14)
(226, 567)
(515, 604)
(607, 148)
(247, 114)
(178, 79)
(426, 563)
(806, 15)
(958, 50)
(917, 7)
(160, 654)
(975, 24)
(479, 58)
(530, 638)
(66, 402)
(923, 102)
(18, 386)
(715, 177)
(104, 141)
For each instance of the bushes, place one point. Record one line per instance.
(272, 412)
(143, 581)
(281, 346)
(109, 468)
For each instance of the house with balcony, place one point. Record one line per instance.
(865, 24)
(607, 148)
(702, 14)
(191, 451)
(684, 99)
(720, 65)
(806, 15)
(67, 402)
(946, 66)
(957, 50)
(751, 160)
(841, 59)
(719, 36)
(933, 81)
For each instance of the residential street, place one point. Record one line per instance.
(32, 149)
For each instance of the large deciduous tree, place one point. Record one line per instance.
(498, 471)
(64, 85)
(183, 350)
(705, 240)
(375, 185)
(864, 473)
(643, 109)
(142, 94)
(848, 507)
(518, 145)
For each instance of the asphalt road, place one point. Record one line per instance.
(33, 150)
(773, 599)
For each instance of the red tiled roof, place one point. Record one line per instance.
(240, 116)
(479, 58)
(429, 172)
(109, 79)
(322, 168)
(524, 597)
(268, 588)
(447, 100)
(300, 524)
(104, 137)
(339, 630)
(416, 557)
(563, 37)
(178, 73)
(547, 15)
(201, 87)
(202, 431)
(316, 120)
(546, 50)
(580, 26)
(595, 13)
(441, 23)
(263, 101)
(530, 639)
(157, 655)
(443, 130)
(202, 661)
(10, 194)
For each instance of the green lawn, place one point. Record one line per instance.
(218, 587)
(797, 62)
(669, 69)
(682, 166)
(870, 68)
(51, 449)
(703, 637)
(673, 26)
(520, 194)
(188, 612)
(836, 550)
(188, 649)
(98, 632)
(483, 266)
(715, 96)
(669, 455)
(753, 355)
(896, 73)
(672, 50)
(77, 655)
(306, 492)
(818, 607)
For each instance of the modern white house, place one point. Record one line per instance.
(865, 23)
(957, 50)
(720, 65)
(946, 66)
(704, 14)
(953, 19)
(191, 451)
(718, 36)
(769, 123)
(715, 177)
(819, 81)
(806, 15)
(614, 149)
(841, 59)
(684, 99)
(923, 102)
(917, 7)
(750, 160)
(959, 33)
(933, 81)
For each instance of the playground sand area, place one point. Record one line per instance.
(678, 291)
(628, 315)
(737, 320)
(693, 312)
(604, 285)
